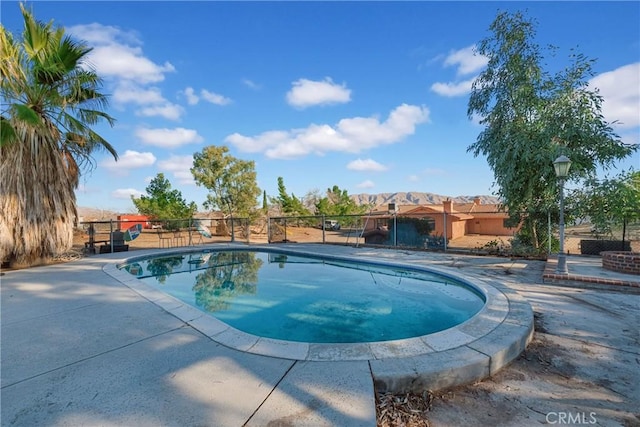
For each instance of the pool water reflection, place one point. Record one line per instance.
(309, 299)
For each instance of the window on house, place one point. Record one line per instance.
(509, 223)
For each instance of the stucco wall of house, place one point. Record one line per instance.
(456, 228)
(489, 226)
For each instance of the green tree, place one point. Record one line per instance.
(226, 276)
(608, 202)
(50, 101)
(338, 202)
(531, 116)
(162, 268)
(162, 202)
(290, 204)
(231, 182)
(265, 205)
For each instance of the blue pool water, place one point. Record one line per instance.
(308, 299)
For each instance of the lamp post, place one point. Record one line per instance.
(561, 165)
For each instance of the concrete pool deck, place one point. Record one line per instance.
(80, 348)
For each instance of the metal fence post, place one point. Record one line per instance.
(111, 234)
(395, 229)
(322, 219)
(233, 235)
(444, 220)
(268, 229)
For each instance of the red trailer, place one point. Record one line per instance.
(129, 220)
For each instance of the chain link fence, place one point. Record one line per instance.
(425, 231)
(474, 232)
(94, 237)
(586, 239)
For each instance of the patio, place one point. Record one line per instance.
(80, 348)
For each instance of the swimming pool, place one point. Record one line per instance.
(310, 299)
(468, 352)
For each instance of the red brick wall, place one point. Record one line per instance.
(622, 262)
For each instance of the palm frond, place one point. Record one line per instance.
(26, 114)
(7, 133)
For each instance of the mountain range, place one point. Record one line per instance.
(416, 198)
(379, 199)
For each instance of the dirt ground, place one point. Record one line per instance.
(582, 367)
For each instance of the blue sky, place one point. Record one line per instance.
(369, 96)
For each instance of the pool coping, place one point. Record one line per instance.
(468, 352)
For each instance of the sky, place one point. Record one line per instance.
(369, 96)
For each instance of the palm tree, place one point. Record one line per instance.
(50, 99)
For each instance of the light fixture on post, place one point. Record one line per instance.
(562, 165)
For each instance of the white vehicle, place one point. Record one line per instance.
(331, 225)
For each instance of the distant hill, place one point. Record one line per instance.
(416, 198)
(93, 214)
(380, 199)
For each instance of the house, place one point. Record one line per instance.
(488, 219)
(448, 219)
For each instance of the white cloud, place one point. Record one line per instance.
(620, 89)
(366, 184)
(214, 98)
(452, 89)
(466, 60)
(366, 165)
(128, 92)
(350, 135)
(150, 99)
(118, 54)
(126, 193)
(251, 84)
(168, 138)
(129, 160)
(168, 111)
(180, 167)
(413, 178)
(306, 93)
(103, 34)
(192, 98)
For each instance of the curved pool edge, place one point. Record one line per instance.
(466, 353)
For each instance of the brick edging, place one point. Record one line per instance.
(550, 275)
